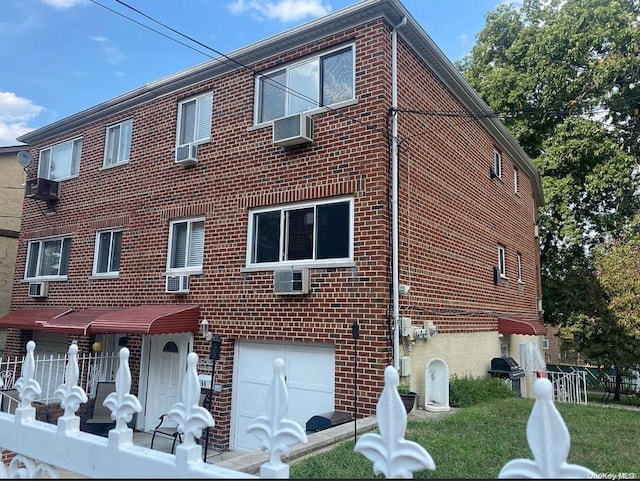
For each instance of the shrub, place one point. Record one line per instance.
(467, 391)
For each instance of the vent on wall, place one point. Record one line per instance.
(38, 289)
(178, 284)
(294, 130)
(291, 281)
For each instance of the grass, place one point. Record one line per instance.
(476, 442)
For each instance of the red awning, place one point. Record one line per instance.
(149, 319)
(521, 326)
(31, 318)
(77, 322)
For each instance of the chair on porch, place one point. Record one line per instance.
(100, 418)
(162, 429)
(9, 401)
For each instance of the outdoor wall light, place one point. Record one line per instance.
(204, 329)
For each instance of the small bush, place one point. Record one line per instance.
(466, 391)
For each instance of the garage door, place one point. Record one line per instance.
(309, 373)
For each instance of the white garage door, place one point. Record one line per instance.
(310, 376)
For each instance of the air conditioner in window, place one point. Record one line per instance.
(178, 284)
(42, 189)
(291, 281)
(294, 130)
(187, 154)
(38, 289)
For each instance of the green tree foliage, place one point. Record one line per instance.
(564, 77)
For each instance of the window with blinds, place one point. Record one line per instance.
(186, 245)
(194, 119)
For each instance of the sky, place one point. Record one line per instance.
(59, 57)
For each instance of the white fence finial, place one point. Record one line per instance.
(549, 441)
(390, 453)
(27, 387)
(275, 432)
(70, 394)
(121, 403)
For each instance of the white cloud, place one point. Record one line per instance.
(63, 4)
(15, 113)
(111, 52)
(283, 10)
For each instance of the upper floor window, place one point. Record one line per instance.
(61, 161)
(48, 258)
(186, 245)
(320, 81)
(516, 180)
(118, 146)
(497, 164)
(519, 257)
(502, 261)
(107, 253)
(317, 232)
(194, 119)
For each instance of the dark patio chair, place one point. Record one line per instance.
(100, 418)
(9, 401)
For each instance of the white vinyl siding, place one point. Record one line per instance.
(186, 246)
(60, 161)
(194, 119)
(118, 145)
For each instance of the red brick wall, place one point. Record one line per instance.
(453, 217)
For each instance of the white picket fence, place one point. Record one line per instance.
(44, 448)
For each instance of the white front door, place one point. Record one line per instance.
(167, 364)
(310, 378)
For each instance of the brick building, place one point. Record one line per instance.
(340, 172)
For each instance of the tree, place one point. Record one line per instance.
(563, 76)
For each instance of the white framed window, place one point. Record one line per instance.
(545, 343)
(325, 80)
(497, 163)
(60, 161)
(502, 261)
(186, 245)
(194, 119)
(516, 180)
(519, 257)
(106, 260)
(118, 144)
(48, 258)
(313, 232)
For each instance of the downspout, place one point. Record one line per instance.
(394, 193)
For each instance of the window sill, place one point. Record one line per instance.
(113, 166)
(45, 278)
(103, 276)
(183, 272)
(311, 113)
(308, 265)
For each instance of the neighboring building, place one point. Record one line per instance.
(180, 186)
(12, 177)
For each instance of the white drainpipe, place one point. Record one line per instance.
(394, 193)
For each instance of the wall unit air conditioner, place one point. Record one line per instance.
(294, 130)
(177, 284)
(187, 154)
(291, 281)
(42, 189)
(38, 289)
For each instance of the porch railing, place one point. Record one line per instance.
(40, 447)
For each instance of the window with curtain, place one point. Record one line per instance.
(107, 253)
(61, 161)
(194, 119)
(118, 145)
(47, 258)
(324, 80)
(317, 232)
(186, 245)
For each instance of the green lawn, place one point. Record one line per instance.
(477, 441)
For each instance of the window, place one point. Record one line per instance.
(194, 119)
(321, 81)
(519, 257)
(107, 254)
(186, 245)
(318, 232)
(497, 164)
(502, 261)
(48, 258)
(118, 146)
(516, 187)
(61, 161)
